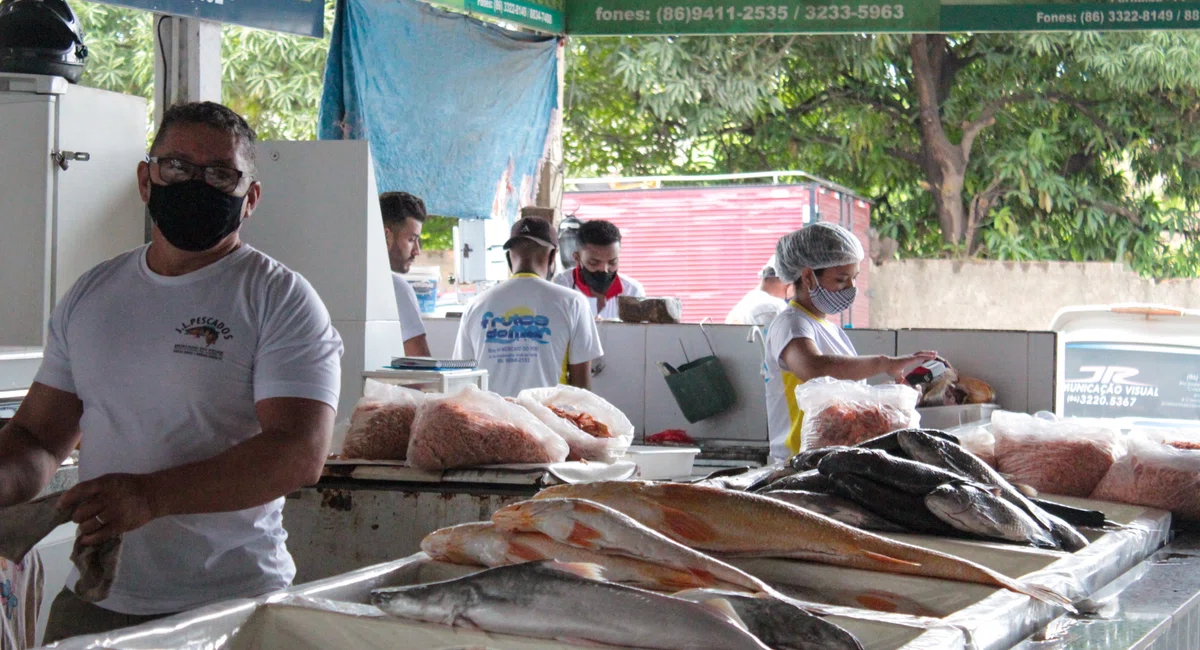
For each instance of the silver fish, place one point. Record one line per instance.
(836, 507)
(972, 509)
(935, 451)
(549, 600)
(779, 624)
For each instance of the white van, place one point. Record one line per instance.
(1136, 363)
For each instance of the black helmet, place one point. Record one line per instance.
(41, 37)
(568, 241)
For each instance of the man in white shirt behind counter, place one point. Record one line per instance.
(528, 332)
(763, 303)
(595, 274)
(403, 219)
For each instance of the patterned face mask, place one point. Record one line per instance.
(833, 302)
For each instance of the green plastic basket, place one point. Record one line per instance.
(701, 388)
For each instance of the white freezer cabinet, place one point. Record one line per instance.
(68, 192)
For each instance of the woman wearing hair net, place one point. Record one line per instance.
(821, 262)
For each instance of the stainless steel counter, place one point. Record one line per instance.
(1154, 606)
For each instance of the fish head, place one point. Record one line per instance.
(921, 446)
(445, 602)
(952, 499)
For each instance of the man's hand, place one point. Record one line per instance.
(108, 506)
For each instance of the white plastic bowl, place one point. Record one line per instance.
(662, 462)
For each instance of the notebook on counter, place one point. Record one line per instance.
(429, 363)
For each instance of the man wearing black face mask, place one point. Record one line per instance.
(595, 274)
(202, 377)
(528, 332)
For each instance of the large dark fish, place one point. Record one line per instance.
(907, 510)
(806, 460)
(811, 481)
(936, 451)
(548, 600)
(890, 442)
(910, 476)
(973, 509)
(835, 507)
(779, 624)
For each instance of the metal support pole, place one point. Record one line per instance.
(187, 62)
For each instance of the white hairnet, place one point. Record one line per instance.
(817, 246)
(768, 271)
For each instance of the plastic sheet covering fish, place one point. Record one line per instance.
(567, 602)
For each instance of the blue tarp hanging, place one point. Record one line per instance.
(456, 111)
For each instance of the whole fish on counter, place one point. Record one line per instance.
(835, 507)
(743, 524)
(483, 544)
(549, 600)
(935, 451)
(907, 510)
(911, 476)
(972, 509)
(890, 442)
(809, 481)
(594, 526)
(778, 624)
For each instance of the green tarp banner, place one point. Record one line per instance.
(304, 17)
(635, 17)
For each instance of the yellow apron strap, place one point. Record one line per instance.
(790, 383)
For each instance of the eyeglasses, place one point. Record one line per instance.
(174, 170)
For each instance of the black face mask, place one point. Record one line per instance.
(597, 281)
(194, 216)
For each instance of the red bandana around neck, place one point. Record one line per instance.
(614, 289)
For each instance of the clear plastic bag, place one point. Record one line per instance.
(474, 427)
(382, 421)
(593, 428)
(1066, 456)
(1154, 474)
(977, 439)
(838, 412)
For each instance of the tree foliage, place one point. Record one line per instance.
(1017, 147)
(271, 78)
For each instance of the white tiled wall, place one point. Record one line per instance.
(1020, 365)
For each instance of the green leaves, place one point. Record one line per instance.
(1095, 142)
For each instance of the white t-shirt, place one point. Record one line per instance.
(169, 370)
(783, 417)
(755, 308)
(629, 287)
(411, 325)
(525, 332)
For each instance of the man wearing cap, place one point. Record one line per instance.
(528, 332)
(763, 303)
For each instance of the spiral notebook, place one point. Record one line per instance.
(429, 363)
